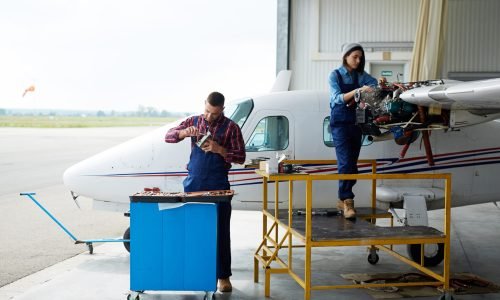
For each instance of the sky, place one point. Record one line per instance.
(117, 55)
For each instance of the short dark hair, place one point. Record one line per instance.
(216, 99)
(361, 66)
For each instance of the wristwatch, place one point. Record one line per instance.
(357, 95)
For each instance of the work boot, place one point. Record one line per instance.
(340, 206)
(225, 285)
(349, 211)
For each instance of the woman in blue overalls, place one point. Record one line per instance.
(345, 82)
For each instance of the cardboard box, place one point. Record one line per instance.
(271, 166)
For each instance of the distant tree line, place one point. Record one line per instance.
(142, 111)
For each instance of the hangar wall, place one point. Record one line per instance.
(473, 42)
(386, 28)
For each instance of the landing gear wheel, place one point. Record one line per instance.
(126, 236)
(373, 258)
(91, 248)
(433, 254)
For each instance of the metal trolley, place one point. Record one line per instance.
(364, 233)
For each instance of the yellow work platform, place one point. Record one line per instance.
(327, 228)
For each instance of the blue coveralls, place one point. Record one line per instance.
(346, 138)
(207, 172)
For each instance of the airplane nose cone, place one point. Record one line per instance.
(69, 177)
(76, 178)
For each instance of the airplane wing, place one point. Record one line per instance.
(482, 95)
(407, 109)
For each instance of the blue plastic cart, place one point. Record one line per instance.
(173, 246)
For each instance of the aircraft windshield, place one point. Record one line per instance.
(239, 111)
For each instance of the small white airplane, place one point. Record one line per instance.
(455, 125)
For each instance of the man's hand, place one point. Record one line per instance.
(190, 131)
(212, 146)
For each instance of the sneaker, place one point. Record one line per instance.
(225, 285)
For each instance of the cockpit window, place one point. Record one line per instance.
(239, 111)
(270, 134)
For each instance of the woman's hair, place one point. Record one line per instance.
(361, 66)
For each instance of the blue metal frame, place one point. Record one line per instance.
(77, 241)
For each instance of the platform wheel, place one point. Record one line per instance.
(446, 296)
(373, 258)
(90, 247)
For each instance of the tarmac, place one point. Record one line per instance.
(105, 274)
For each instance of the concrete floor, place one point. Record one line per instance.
(105, 274)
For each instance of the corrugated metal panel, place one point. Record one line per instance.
(344, 21)
(374, 21)
(473, 40)
(300, 59)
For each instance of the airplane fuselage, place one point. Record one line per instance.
(299, 122)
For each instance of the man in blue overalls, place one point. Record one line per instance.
(345, 82)
(208, 168)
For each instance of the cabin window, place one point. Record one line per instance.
(239, 111)
(327, 133)
(270, 134)
(328, 139)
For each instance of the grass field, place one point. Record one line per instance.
(74, 122)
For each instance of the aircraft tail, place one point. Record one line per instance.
(282, 82)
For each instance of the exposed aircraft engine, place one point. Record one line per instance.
(382, 112)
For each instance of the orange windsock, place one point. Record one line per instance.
(31, 88)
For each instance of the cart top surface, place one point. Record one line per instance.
(173, 197)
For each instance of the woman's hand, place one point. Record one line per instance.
(366, 88)
(356, 95)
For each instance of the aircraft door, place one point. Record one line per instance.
(267, 132)
(270, 132)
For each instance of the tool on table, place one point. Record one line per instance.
(323, 212)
